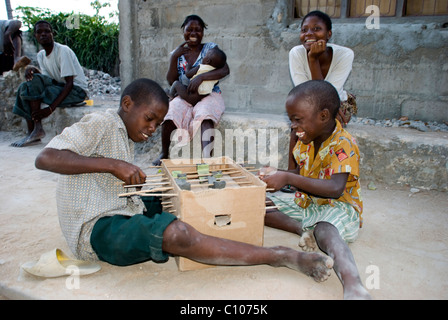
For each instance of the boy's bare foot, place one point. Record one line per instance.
(315, 265)
(24, 142)
(307, 241)
(33, 137)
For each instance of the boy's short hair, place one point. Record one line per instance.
(144, 90)
(321, 93)
(219, 58)
(43, 22)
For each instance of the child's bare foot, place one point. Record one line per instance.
(307, 241)
(33, 137)
(314, 265)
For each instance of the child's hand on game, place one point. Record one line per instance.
(129, 173)
(273, 178)
(267, 171)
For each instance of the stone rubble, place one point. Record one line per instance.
(101, 83)
(403, 122)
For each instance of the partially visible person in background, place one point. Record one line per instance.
(11, 46)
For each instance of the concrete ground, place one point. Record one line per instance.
(401, 253)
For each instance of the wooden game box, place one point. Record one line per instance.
(234, 212)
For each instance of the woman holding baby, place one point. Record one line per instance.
(207, 112)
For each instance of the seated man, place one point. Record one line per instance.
(59, 82)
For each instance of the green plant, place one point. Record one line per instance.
(93, 39)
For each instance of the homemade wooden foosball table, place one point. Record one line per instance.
(216, 196)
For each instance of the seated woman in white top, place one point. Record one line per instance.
(316, 59)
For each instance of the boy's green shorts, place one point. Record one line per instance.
(126, 240)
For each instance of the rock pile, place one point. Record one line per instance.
(101, 83)
(404, 122)
(9, 82)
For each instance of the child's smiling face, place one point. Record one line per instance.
(306, 119)
(142, 120)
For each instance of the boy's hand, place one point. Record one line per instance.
(267, 171)
(273, 178)
(69, 162)
(129, 173)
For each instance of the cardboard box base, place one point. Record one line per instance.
(235, 212)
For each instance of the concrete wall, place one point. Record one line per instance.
(400, 69)
(390, 155)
